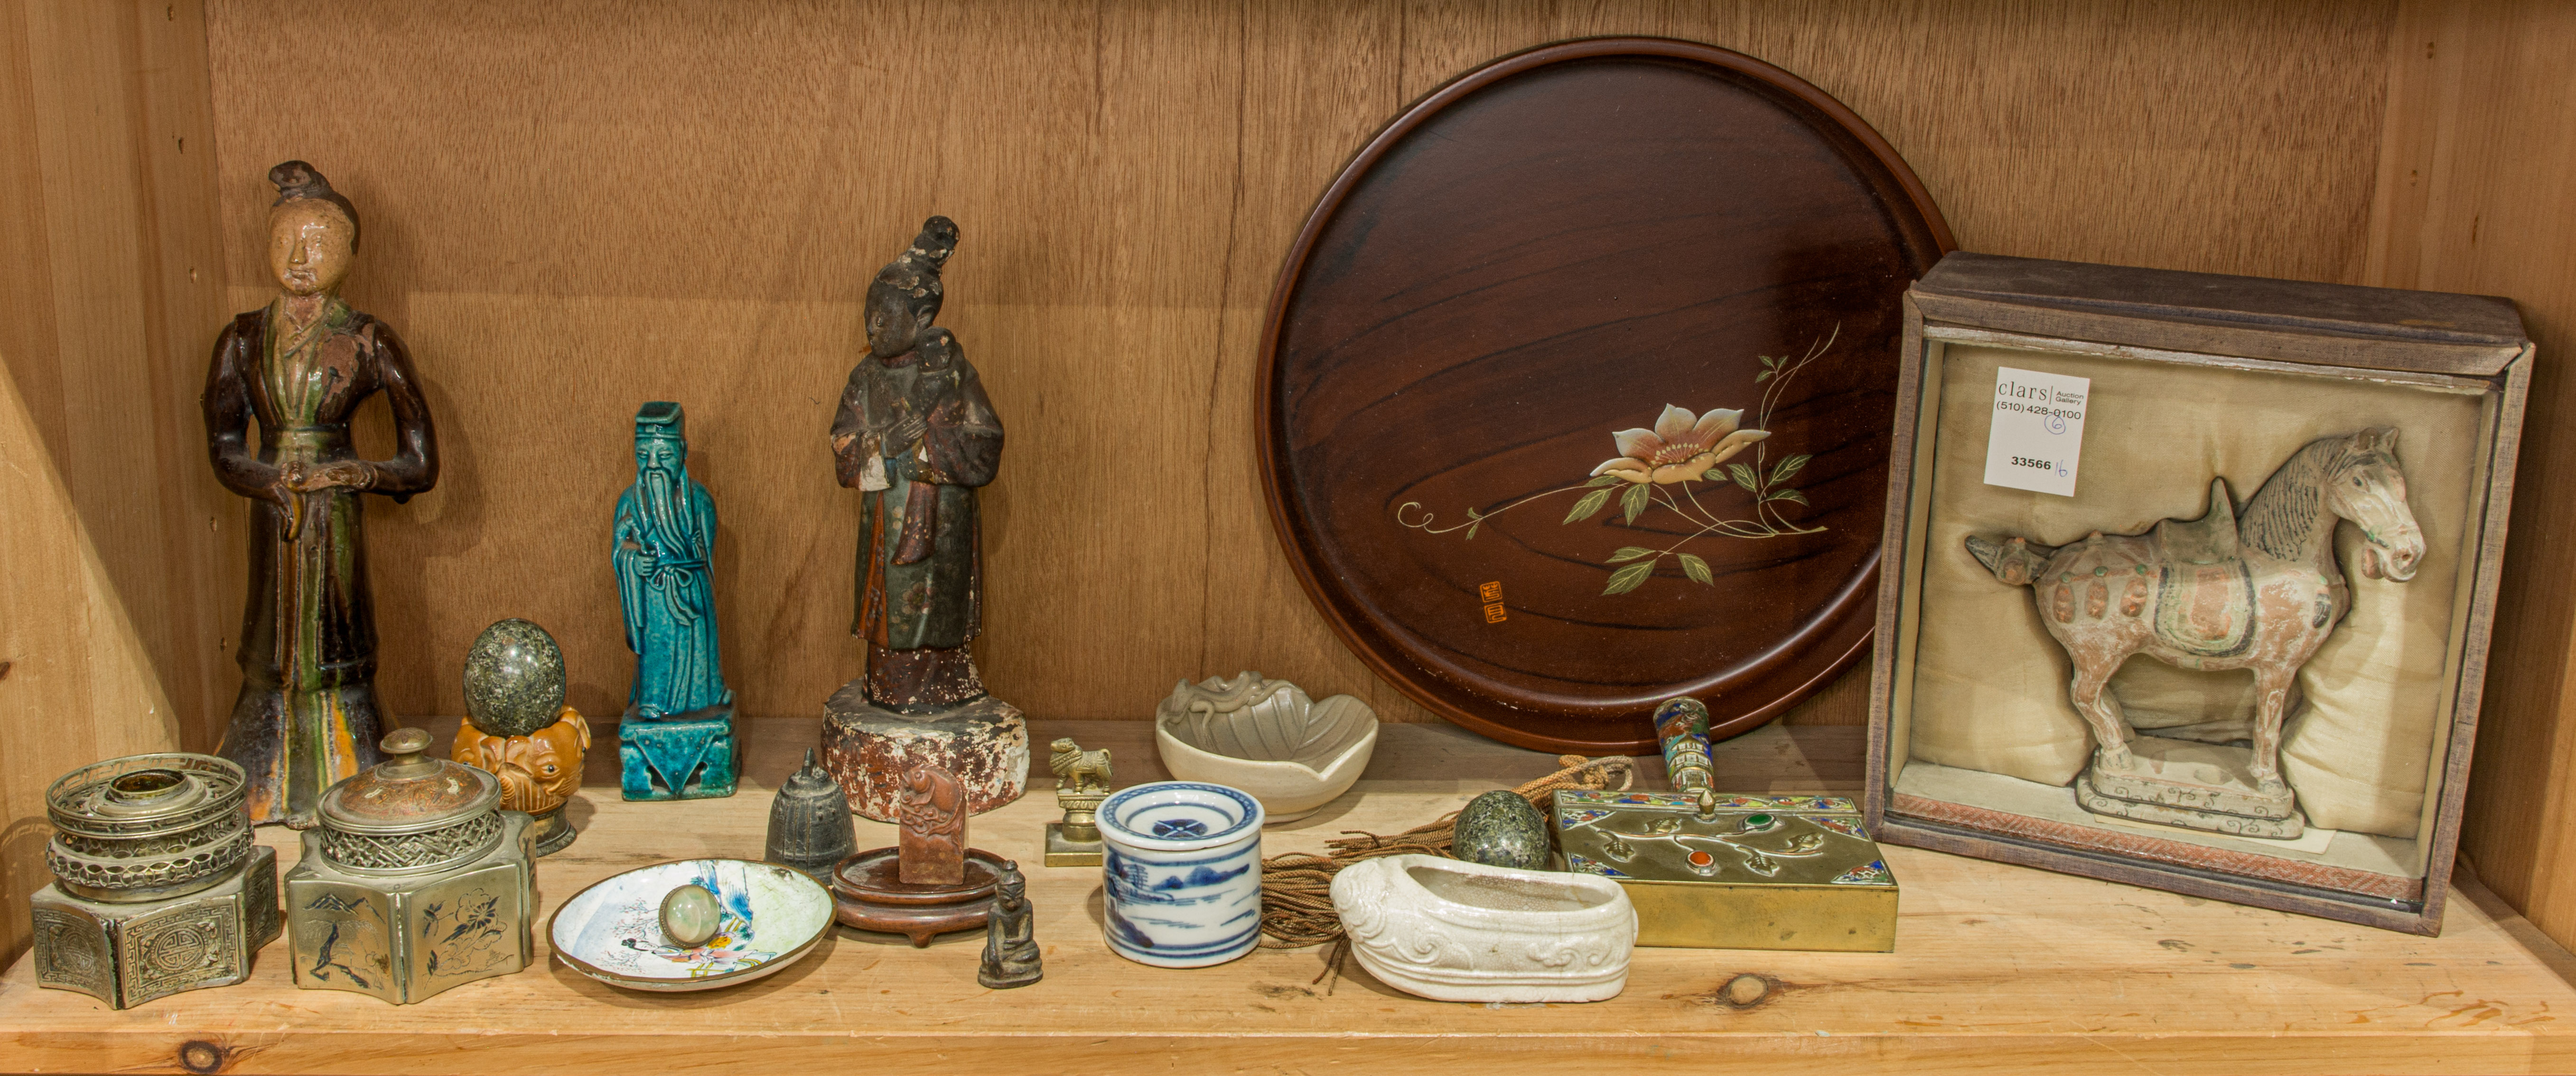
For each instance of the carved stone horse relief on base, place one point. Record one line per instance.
(2253, 587)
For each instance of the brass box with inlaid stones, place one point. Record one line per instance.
(1708, 870)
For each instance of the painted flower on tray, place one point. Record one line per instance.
(1658, 468)
(1681, 447)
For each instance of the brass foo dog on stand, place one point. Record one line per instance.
(2252, 589)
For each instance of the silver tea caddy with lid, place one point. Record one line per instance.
(416, 880)
(157, 886)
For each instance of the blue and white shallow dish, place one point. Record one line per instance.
(1181, 868)
(769, 915)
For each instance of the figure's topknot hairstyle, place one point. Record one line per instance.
(916, 271)
(296, 179)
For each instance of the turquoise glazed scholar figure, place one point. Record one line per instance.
(676, 740)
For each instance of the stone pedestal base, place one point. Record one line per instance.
(984, 744)
(687, 756)
(2193, 785)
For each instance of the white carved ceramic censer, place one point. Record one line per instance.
(1455, 931)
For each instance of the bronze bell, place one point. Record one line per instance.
(809, 822)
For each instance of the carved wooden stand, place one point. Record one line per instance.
(867, 893)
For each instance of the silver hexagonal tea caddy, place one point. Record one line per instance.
(416, 881)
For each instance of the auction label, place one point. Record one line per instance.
(2038, 431)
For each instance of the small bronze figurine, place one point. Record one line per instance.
(307, 714)
(809, 822)
(1010, 943)
(932, 844)
(1082, 781)
(917, 437)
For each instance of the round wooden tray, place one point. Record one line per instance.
(1553, 248)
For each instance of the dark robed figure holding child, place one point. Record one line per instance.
(917, 437)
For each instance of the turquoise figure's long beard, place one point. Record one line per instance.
(665, 518)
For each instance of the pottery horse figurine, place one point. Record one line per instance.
(2253, 588)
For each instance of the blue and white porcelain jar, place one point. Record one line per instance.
(1181, 868)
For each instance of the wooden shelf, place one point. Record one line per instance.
(1997, 969)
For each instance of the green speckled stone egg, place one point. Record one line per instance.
(514, 679)
(1500, 829)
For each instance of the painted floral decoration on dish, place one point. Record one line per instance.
(730, 950)
(1659, 466)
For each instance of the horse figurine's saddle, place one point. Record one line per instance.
(2206, 603)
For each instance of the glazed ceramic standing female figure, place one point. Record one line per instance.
(307, 714)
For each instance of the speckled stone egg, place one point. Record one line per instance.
(514, 679)
(1500, 829)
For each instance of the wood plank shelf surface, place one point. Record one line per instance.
(1997, 969)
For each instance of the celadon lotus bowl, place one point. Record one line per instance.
(1267, 738)
(769, 915)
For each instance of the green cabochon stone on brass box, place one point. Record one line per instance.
(514, 679)
(1500, 829)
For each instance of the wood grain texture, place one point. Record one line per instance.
(2477, 193)
(1997, 969)
(76, 679)
(1550, 249)
(109, 287)
(575, 207)
(108, 284)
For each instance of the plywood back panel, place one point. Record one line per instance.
(575, 207)
(2477, 193)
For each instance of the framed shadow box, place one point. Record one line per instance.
(2190, 578)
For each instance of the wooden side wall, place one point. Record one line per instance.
(574, 207)
(110, 284)
(2477, 193)
(76, 684)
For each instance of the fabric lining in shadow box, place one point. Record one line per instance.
(1990, 684)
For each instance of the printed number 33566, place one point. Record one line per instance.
(2025, 461)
